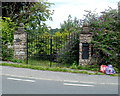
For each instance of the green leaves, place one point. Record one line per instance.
(7, 27)
(32, 14)
(106, 37)
(71, 25)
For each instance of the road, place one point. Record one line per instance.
(27, 81)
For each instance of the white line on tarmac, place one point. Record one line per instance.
(21, 79)
(83, 85)
(30, 77)
(78, 81)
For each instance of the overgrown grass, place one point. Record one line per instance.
(15, 60)
(45, 63)
(40, 62)
(52, 66)
(88, 67)
(52, 69)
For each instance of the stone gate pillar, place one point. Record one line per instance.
(20, 43)
(85, 46)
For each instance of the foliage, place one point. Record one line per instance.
(13, 9)
(16, 60)
(36, 61)
(26, 11)
(74, 66)
(7, 53)
(40, 12)
(71, 25)
(106, 38)
(32, 14)
(87, 67)
(7, 27)
(53, 31)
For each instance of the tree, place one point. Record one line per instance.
(13, 9)
(27, 11)
(53, 31)
(32, 14)
(71, 25)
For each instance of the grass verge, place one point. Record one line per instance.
(53, 69)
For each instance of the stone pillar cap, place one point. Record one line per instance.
(20, 29)
(21, 24)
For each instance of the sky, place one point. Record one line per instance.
(75, 8)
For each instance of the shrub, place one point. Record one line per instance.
(7, 53)
(7, 27)
(105, 41)
(74, 66)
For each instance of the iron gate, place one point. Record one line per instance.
(52, 48)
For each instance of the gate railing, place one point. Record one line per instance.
(49, 47)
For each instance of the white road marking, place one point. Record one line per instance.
(30, 77)
(78, 81)
(21, 79)
(84, 85)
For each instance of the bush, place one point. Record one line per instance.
(7, 27)
(105, 41)
(7, 53)
(74, 66)
(17, 60)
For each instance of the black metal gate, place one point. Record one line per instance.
(44, 48)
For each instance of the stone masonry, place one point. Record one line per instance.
(85, 37)
(20, 43)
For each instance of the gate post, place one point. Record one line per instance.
(20, 43)
(85, 46)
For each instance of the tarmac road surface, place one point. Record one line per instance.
(28, 81)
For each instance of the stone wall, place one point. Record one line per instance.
(20, 43)
(85, 37)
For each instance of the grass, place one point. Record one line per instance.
(52, 66)
(40, 62)
(45, 63)
(52, 69)
(88, 67)
(15, 60)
